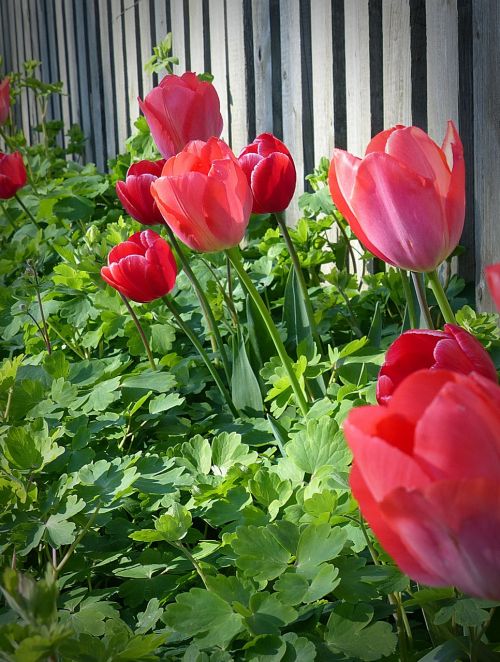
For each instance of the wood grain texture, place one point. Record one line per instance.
(486, 16)
(442, 66)
(322, 73)
(178, 38)
(291, 90)
(219, 60)
(357, 72)
(397, 62)
(236, 70)
(262, 66)
(196, 37)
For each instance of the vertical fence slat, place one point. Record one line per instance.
(107, 79)
(291, 90)
(63, 65)
(219, 61)
(178, 38)
(357, 73)
(28, 54)
(96, 89)
(397, 62)
(196, 37)
(161, 27)
(82, 76)
(131, 69)
(486, 21)
(236, 75)
(262, 66)
(146, 45)
(442, 66)
(72, 69)
(16, 60)
(119, 69)
(322, 72)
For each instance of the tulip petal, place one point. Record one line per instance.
(493, 279)
(390, 539)
(146, 168)
(417, 392)
(400, 213)
(273, 182)
(341, 180)
(413, 147)
(472, 357)
(378, 142)
(455, 198)
(461, 413)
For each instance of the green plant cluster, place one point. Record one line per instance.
(138, 519)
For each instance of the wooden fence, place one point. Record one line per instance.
(318, 73)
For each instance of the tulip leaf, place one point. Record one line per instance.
(300, 339)
(245, 389)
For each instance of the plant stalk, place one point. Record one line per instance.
(412, 313)
(198, 346)
(234, 256)
(27, 211)
(140, 330)
(77, 540)
(191, 559)
(419, 285)
(215, 337)
(440, 295)
(300, 277)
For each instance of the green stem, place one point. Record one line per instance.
(419, 285)
(65, 340)
(140, 330)
(234, 256)
(42, 314)
(215, 337)
(27, 211)
(192, 337)
(440, 295)
(222, 290)
(409, 298)
(7, 216)
(300, 277)
(77, 540)
(191, 559)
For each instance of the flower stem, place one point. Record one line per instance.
(440, 295)
(198, 346)
(140, 330)
(418, 283)
(27, 211)
(409, 298)
(184, 550)
(77, 540)
(234, 256)
(300, 277)
(215, 337)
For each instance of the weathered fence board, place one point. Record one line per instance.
(317, 73)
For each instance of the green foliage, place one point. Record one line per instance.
(139, 520)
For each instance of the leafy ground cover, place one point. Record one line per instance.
(139, 518)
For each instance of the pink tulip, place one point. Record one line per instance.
(204, 197)
(270, 172)
(143, 268)
(4, 100)
(426, 475)
(180, 109)
(493, 280)
(13, 174)
(452, 349)
(405, 200)
(135, 194)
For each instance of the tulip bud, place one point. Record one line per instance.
(180, 109)
(135, 192)
(452, 349)
(405, 200)
(142, 268)
(493, 280)
(204, 196)
(12, 174)
(270, 172)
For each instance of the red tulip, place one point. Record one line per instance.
(12, 174)
(204, 196)
(142, 268)
(426, 475)
(4, 100)
(180, 109)
(451, 349)
(405, 200)
(493, 280)
(135, 192)
(270, 171)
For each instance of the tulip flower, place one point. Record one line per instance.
(142, 268)
(204, 196)
(181, 109)
(405, 200)
(4, 100)
(493, 280)
(270, 172)
(12, 174)
(135, 192)
(426, 475)
(451, 349)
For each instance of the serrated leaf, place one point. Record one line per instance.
(318, 544)
(319, 445)
(175, 524)
(227, 449)
(264, 552)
